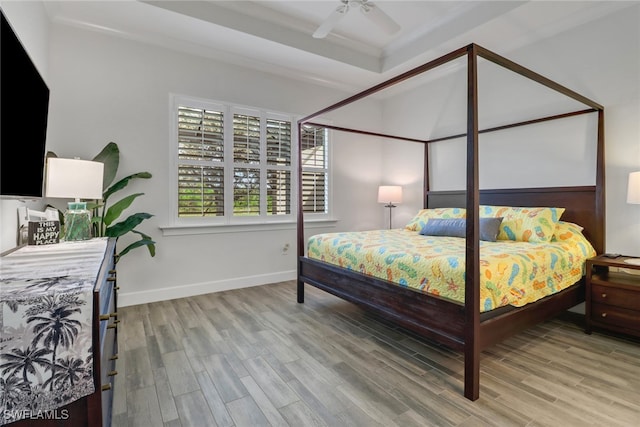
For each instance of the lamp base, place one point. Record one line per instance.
(77, 222)
(390, 206)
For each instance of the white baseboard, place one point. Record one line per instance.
(134, 298)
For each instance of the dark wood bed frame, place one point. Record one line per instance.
(461, 326)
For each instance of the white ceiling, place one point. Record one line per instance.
(277, 35)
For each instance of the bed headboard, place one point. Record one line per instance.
(580, 203)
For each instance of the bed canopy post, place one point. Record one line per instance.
(600, 244)
(426, 184)
(472, 244)
(300, 222)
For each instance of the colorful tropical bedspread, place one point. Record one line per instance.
(511, 273)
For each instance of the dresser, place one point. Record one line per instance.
(613, 295)
(59, 342)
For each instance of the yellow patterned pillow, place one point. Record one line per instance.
(524, 224)
(420, 220)
(566, 231)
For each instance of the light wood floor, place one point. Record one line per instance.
(254, 357)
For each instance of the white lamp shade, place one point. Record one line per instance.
(389, 194)
(633, 189)
(74, 179)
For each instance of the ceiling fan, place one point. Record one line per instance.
(368, 9)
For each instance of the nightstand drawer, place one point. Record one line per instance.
(610, 315)
(613, 296)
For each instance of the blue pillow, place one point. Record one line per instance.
(456, 227)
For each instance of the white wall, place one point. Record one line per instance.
(29, 21)
(106, 88)
(600, 60)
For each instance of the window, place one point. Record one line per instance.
(314, 169)
(236, 164)
(200, 162)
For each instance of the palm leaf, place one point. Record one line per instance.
(124, 182)
(127, 225)
(150, 244)
(114, 211)
(110, 156)
(144, 236)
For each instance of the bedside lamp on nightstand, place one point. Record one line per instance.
(75, 179)
(633, 197)
(390, 194)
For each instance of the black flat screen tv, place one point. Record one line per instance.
(24, 109)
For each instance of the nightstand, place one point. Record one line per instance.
(612, 295)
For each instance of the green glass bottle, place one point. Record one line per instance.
(77, 222)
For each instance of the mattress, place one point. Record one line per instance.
(511, 273)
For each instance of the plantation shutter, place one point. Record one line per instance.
(278, 155)
(278, 142)
(278, 192)
(246, 139)
(314, 169)
(246, 191)
(246, 180)
(200, 162)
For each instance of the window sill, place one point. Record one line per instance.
(182, 230)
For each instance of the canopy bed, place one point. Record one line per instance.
(461, 323)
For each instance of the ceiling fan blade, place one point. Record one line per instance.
(375, 14)
(328, 24)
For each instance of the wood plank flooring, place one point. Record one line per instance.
(255, 357)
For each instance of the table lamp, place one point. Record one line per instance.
(633, 197)
(75, 179)
(390, 194)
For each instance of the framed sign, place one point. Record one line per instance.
(43, 232)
